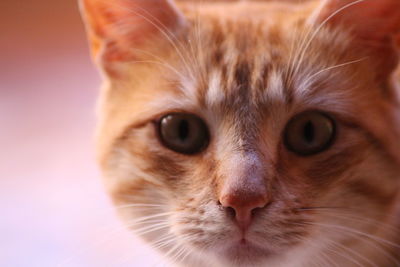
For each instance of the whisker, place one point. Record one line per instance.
(160, 61)
(160, 243)
(383, 251)
(177, 255)
(325, 253)
(168, 34)
(146, 222)
(360, 219)
(172, 250)
(342, 213)
(199, 46)
(328, 248)
(145, 218)
(160, 27)
(352, 251)
(185, 255)
(312, 76)
(305, 46)
(297, 47)
(350, 230)
(154, 244)
(335, 244)
(160, 64)
(333, 211)
(317, 208)
(144, 205)
(152, 228)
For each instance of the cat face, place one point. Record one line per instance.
(251, 133)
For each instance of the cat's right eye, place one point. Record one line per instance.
(183, 133)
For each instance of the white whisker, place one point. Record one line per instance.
(145, 218)
(305, 46)
(349, 215)
(350, 230)
(164, 31)
(348, 257)
(167, 34)
(150, 228)
(306, 84)
(144, 205)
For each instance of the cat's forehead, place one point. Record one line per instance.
(244, 67)
(240, 60)
(240, 63)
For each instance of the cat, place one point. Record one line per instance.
(252, 133)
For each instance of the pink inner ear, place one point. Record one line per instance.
(375, 25)
(120, 25)
(370, 19)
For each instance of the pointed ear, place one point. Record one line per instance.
(117, 27)
(375, 25)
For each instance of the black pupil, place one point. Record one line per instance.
(183, 130)
(183, 133)
(309, 132)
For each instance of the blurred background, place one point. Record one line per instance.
(54, 211)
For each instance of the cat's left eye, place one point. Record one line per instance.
(184, 133)
(309, 133)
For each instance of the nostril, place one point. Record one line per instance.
(242, 212)
(231, 212)
(255, 211)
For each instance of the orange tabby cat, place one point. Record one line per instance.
(252, 133)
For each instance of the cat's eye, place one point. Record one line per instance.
(183, 133)
(309, 133)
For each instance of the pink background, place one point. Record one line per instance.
(54, 211)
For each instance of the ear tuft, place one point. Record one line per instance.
(370, 19)
(115, 28)
(375, 25)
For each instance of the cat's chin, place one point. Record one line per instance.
(244, 253)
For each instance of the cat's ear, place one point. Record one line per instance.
(118, 28)
(375, 25)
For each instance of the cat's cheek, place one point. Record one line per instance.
(199, 216)
(356, 195)
(324, 168)
(320, 179)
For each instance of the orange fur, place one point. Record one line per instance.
(246, 68)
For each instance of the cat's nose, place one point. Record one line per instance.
(244, 188)
(242, 204)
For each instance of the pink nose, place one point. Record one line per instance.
(243, 204)
(244, 188)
